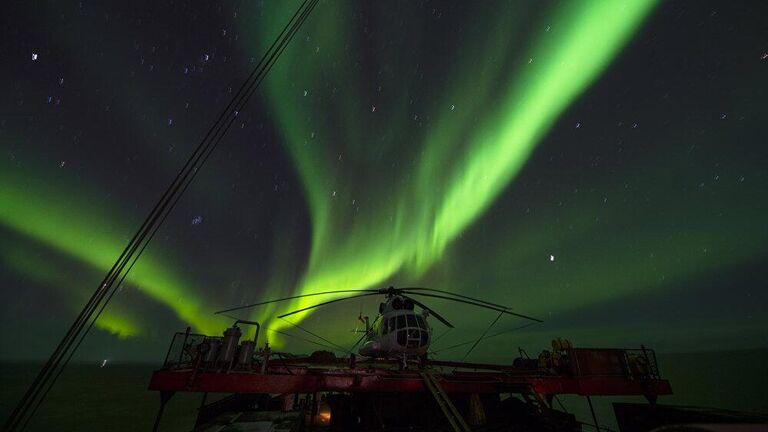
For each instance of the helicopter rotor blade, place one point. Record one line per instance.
(482, 338)
(327, 303)
(408, 289)
(497, 309)
(294, 297)
(431, 311)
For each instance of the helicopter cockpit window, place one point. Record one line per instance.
(400, 321)
(424, 336)
(392, 324)
(402, 337)
(384, 327)
(422, 324)
(412, 320)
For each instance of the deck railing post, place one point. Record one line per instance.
(592, 410)
(165, 396)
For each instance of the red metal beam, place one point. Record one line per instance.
(304, 380)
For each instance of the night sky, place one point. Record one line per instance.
(597, 164)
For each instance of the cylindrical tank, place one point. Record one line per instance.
(213, 349)
(229, 346)
(245, 355)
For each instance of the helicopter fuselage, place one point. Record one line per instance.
(398, 331)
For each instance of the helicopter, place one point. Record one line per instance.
(398, 331)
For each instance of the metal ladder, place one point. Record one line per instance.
(444, 402)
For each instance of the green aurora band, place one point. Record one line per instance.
(46, 272)
(28, 206)
(467, 157)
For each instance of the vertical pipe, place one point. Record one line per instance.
(159, 416)
(165, 396)
(311, 400)
(592, 410)
(200, 410)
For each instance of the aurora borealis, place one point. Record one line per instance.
(597, 164)
(464, 161)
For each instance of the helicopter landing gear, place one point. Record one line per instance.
(403, 363)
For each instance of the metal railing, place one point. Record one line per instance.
(182, 350)
(637, 364)
(642, 363)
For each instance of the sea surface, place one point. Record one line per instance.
(115, 398)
